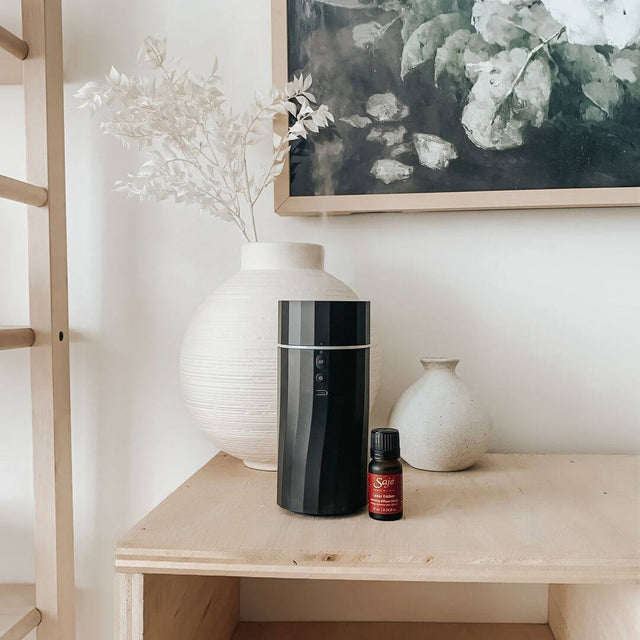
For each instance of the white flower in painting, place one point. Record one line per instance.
(385, 107)
(592, 22)
(389, 171)
(389, 137)
(433, 151)
(365, 35)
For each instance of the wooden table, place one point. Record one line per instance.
(572, 522)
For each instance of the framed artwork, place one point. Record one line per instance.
(463, 104)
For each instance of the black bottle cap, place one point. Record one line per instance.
(385, 443)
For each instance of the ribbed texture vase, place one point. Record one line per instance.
(229, 354)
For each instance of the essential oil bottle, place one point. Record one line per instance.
(385, 475)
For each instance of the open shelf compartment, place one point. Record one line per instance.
(570, 522)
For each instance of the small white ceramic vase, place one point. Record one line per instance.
(229, 358)
(442, 428)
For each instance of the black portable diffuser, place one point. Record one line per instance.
(323, 406)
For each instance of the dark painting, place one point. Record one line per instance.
(464, 95)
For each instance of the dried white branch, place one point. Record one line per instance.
(197, 149)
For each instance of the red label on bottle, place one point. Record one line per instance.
(385, 494)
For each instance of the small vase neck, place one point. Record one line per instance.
(282, 255)
(448, 364)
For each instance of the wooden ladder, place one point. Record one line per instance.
(50, 606)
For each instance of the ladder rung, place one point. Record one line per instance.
(16, 338)
(22, 192)
(18, 615)
(23, 625)
(14, 45)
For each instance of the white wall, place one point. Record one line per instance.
(542, 307)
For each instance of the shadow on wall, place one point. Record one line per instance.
(100, 246)
(538, 305)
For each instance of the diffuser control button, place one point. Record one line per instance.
(321, 361)
(320, 377)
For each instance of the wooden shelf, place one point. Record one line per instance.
(18, 615)
(512, 518)
(567, 521)
(16, 337)
(389, 631)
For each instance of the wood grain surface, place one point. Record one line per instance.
(595, 612)
(49, 319)
(511, 518)
(189, 607)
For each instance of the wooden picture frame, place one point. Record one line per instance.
(287, 205)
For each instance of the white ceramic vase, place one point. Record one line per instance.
(442, 428)
(229, 357)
